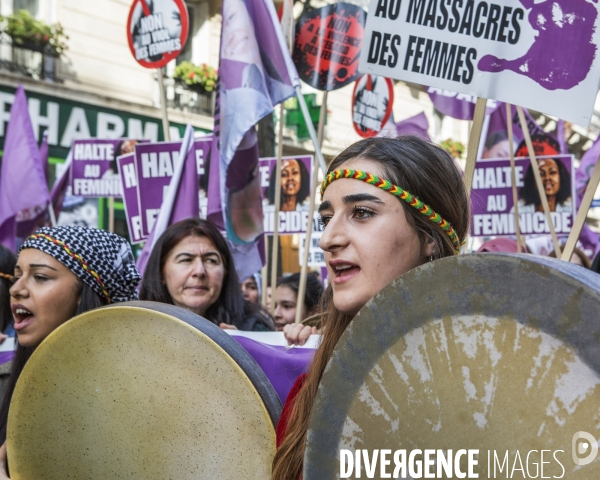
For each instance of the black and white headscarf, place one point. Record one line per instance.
(102, 260)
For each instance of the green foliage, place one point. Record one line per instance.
(453, 147)
(200, 78)
(27, 32)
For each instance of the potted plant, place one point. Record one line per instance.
(453, 147)
(198, 78)
(31, 34)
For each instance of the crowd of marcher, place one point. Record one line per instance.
(370, 238)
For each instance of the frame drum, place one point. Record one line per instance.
(141, 390)
(489, 352)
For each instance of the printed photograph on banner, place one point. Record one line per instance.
(540, 55)
(372, 103)
(129, 184)
(94, 172)
(295, 192)
(328, 45)
(157, 31)
(492, 206)
(154, 164)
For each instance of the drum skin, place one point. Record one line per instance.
(141, 391)
(494, 352)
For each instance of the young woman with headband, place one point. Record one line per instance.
(60, 273)
(388, 206)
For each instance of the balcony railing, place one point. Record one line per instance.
(181, 98)
(28, 61)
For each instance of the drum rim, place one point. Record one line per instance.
(326, 420)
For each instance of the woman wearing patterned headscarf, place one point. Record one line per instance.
(60, 273)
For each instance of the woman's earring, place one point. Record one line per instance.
(431, 258)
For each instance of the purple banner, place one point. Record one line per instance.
(281, 365)
(492, 201)
(295, 193)
(456, 105)
(129, 184)
(154, 165)
(94, 171)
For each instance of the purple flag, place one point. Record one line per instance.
(169, 202)
(22, 179)
(61, 185)
(417, 126)
(28, 221)
(256, 73)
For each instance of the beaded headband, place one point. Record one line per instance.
(77, 257)
(407, 197)
(6, 275)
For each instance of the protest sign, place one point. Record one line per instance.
(492, 201)
(94, 171)
(328, 45)
(157, 31)
(540, 55)
(316, 256)
(372, 103)
(295, 193)
(154, 164)
(129, 184)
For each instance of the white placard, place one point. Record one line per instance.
(538, 54)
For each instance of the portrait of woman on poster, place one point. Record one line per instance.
(557, 186)
(295, 182)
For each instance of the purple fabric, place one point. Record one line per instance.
(589, 239)
(550, 61)
(27, 227)
(22, 178)
(417, 126)
(186, 201)
(59, 189)
(252, 81)
(6, 357)
(456, 105)
(282, 366)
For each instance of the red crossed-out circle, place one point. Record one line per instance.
(166, 57)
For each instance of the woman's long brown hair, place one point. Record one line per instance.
(428, 172)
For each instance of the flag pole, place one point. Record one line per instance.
(275, 251)
(52, 214)
(311, 211)
(538, 179)
(586, 201)
(111, 214)
(311, 127)
(163, 105)
(264, 271)
(473, 147)
(513, 176)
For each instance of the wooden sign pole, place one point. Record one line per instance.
(163, 105)
(473, 148)
(586, 201)
(513, 176)
(311, 214)
(275, 256)
(538, 179)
